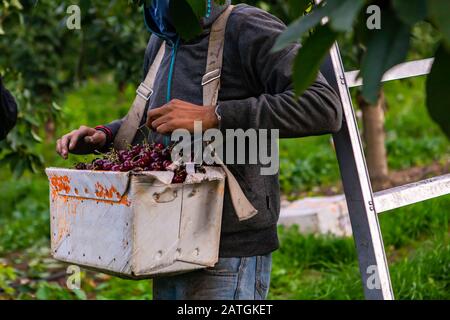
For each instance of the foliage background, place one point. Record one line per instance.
(64, 78)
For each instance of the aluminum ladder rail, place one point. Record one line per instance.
(364, 205)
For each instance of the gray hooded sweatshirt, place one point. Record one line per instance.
(256, 92)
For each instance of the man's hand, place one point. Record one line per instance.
(85, 140)
(179, 114)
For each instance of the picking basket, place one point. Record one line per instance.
(136, 224)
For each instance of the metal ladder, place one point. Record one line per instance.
(364, 205)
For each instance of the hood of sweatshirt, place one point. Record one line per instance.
(158, 19)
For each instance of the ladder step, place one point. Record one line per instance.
(411, 193)
(400, 71)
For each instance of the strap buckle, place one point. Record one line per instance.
(211, 76)
(144, 91)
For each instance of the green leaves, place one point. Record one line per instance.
(21, 160)
(185, 18)
(295, 8)
(296, 30)
(342, 14)
(385, 48)
(439, 14)
(410, 11)
(438, 93)
(198, 7)
(7, 8)
(310, 57)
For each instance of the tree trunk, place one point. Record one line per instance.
(49, 125)
(50, 130)
(374, 139)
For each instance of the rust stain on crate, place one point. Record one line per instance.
(60, 183)
(121, 201)
(62, 227)
(102, 192)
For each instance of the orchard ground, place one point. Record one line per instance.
(416, 237)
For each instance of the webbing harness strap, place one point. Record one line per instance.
(132, 121)
(211, 86)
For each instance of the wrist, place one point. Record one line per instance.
(213, 118)
(107, 132)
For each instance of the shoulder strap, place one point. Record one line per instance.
(132, 121)
(211, 86)
(211, 79)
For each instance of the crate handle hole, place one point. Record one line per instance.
(168, 195)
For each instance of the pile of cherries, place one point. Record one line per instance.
(142, 157)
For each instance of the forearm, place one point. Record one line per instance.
(317, 111)
(110, 130)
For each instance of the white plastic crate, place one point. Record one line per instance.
(136, 225)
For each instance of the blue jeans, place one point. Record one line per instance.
(246, 278)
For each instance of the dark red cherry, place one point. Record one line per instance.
(116, 167)
(80, 166)
(167, 163)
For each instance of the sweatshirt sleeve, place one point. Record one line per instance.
(8, 111)
(317, 111)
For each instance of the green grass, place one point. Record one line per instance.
(422, 275)
(306, 266)
(417, 243)
(24, 217)
(402, 227)
(307, 162)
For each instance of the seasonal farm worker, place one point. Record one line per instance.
(8, 111)
(256, 92)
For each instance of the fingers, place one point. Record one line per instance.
(73, 139)
(58, 146)
(176, 114)
(69, 141)
(64, 145)
(159, 121)
(165, 128)
(80, 134)
(98, 138)
(154, 114)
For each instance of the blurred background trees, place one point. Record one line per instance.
(41, 59)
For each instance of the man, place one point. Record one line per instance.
(256, 92)
(8, 111)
